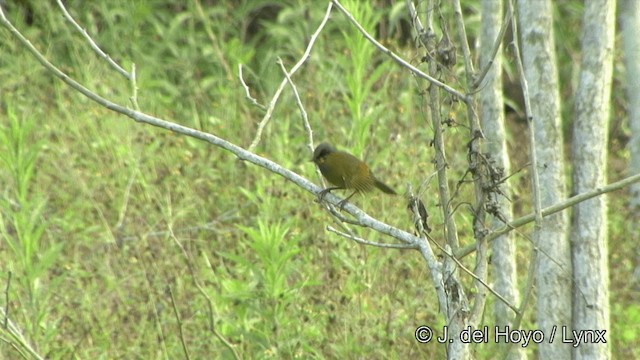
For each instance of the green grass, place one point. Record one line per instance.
(102, 218)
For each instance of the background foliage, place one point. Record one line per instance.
(101, 219)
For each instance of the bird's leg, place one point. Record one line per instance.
(324, 192)
(343, 202)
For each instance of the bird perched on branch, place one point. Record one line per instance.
(345, 171)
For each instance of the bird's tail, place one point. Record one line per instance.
(382, 186)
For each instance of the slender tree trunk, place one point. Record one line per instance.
(589, 154)
(456, 308)
(630, 21)
(503, 258)
(553, 261)
(492, 117)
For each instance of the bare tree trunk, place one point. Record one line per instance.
(553, 262)
(492, 117)
(456, 308)
(589, 153)
(630, 20)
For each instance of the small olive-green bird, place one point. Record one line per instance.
(345, 171)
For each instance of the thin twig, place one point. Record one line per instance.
(15, 347)
(247, 91)
(180, 327)
(398, 59)
(212, 325)
(6, 300)
(371, 243)
(535, 181)
(462, 38)
(476, 277)
(153, 300)
(494, 52)
(551, 210)
(18, 341)
(134, 88)
(424, 36)
(531, 276)
(478, 169)
(123, 211)
(274, 100)
(93, 44)
(450, 228)
(303, 112)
